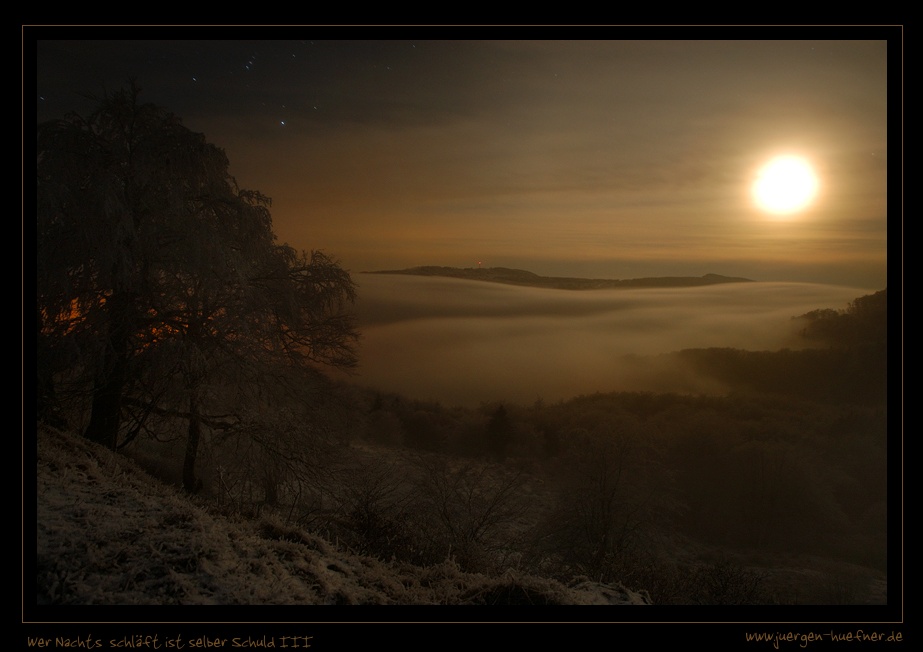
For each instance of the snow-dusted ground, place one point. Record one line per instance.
(109, 534)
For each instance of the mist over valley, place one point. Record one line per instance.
(465, 342)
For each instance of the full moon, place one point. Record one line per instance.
(785, 185)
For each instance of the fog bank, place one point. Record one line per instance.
(464, 342)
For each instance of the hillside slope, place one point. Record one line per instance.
(108, 533)
(523, 277)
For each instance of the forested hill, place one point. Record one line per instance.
(523, 277)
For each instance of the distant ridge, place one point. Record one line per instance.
(523, 277)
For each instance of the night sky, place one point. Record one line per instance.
(616, 159)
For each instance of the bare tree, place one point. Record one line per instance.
(473, 505)
(600, 513)
(161, 275)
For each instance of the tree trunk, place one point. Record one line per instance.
(47, 408)
(270, 488)
(190, 483)
(109, 384)
(105, 416)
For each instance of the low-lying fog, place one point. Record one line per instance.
(465, 342)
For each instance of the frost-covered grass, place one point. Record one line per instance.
(110, 534)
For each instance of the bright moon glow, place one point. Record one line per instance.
(785, 185)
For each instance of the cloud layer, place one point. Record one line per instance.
(464, 342)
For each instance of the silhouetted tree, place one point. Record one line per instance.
(470, 508)
(598, 522)
(499, 433)
(156, 272)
